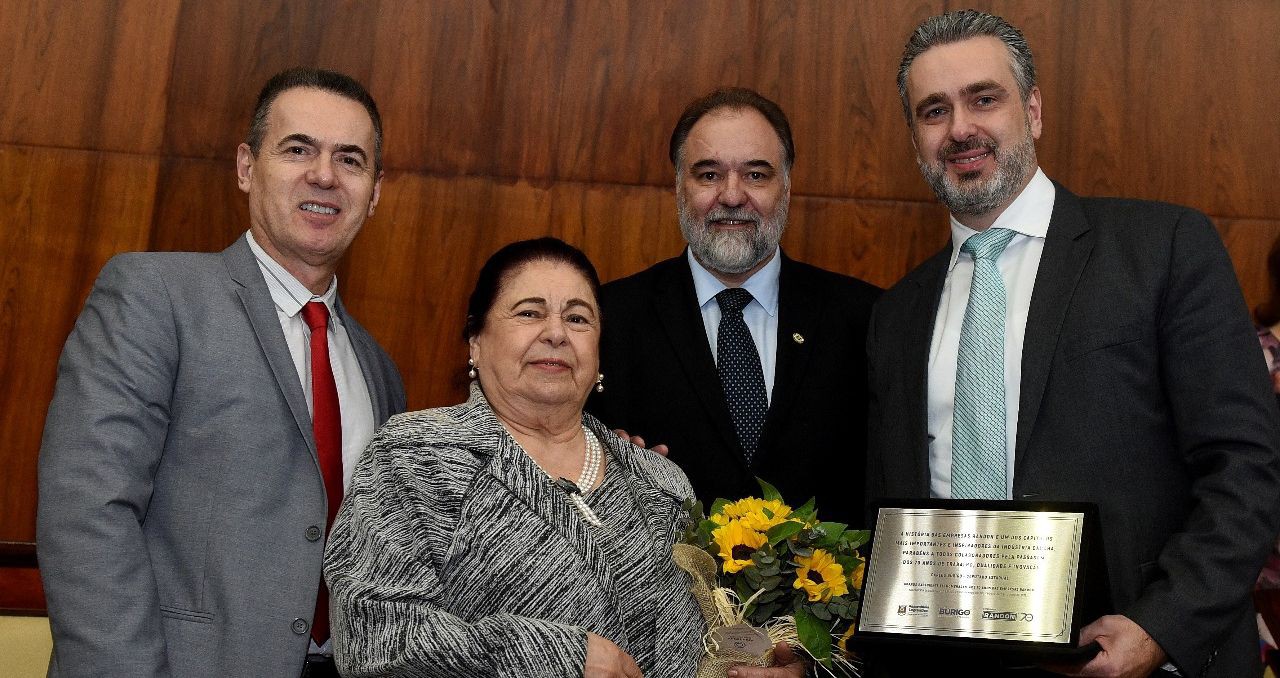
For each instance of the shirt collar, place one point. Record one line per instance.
(763, 284)
(288, 294)
(1028, 215)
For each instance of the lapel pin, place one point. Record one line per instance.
(797, 337)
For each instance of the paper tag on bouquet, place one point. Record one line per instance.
(742, 638)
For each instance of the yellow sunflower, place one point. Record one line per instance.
(737, 542)
(856, 578)
(820, 576)
(751, 511)
(843, 644)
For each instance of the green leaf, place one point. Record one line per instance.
(833, 530)
(821, 611)
(814, 636)
(783, 531)
(770, 492)
(856, 538)
(799, 550)
(808, 511)
(770, 583)
(718, 505)
(771, 596)
(848, 563)
(764, 612)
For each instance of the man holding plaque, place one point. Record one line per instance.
(1076, 349)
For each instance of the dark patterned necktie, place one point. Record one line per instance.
(738, 362)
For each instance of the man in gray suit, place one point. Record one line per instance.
(185, 485)
(1076, 349)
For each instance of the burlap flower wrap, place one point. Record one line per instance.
(721, 608)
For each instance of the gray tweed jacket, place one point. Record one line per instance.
(454, 555)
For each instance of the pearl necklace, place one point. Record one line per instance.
(586, 479)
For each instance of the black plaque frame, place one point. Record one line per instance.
(1092, 595)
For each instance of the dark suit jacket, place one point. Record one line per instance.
(1143, 391)
(661, 383)
(181, 512)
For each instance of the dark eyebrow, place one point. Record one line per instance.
(353, 149)
(935, 98)
(530, 300)
(311, 141)
(579, 302)
(712, 164)
(300, 138)
(983, 86)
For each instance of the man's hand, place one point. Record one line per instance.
(606, 660)
(639, 442)
(786, 665)
(1127, 650)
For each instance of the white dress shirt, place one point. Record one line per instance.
(1028, 215)
(761, 315)
(354, 402)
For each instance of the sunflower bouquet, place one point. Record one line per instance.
(775, 571)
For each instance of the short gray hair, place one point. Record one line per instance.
(962, 25)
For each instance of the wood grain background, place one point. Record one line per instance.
(514, 118)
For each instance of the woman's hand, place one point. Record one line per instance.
(786, 665)
(606, 660)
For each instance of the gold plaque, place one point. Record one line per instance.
(988, 574)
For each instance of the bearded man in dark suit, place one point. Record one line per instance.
(774, 388)
(1076, 349)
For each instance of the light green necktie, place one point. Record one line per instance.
(978, 454)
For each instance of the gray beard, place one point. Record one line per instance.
(1013, 164)
(732, 252)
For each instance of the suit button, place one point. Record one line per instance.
(313, 533)
(299, 626)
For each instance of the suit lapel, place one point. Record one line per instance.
(261, 311)
(367, 356)
(677, 309)
(921, 313)
(1066, 251)
(799, 306)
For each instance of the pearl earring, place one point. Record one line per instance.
(472, 372)
(599, 383)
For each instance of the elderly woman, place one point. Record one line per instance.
(514, 535)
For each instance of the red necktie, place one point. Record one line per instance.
(326, 424)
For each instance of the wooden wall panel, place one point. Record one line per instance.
(77, 209)
(436, 85)
(88, 74)
(227, 50)
(207, 224)
(851, 138)
(877, 241)
(1164, 100)
(576, 105)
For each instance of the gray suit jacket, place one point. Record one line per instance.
(454, 555)
(1143, 391)
(181, 507)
